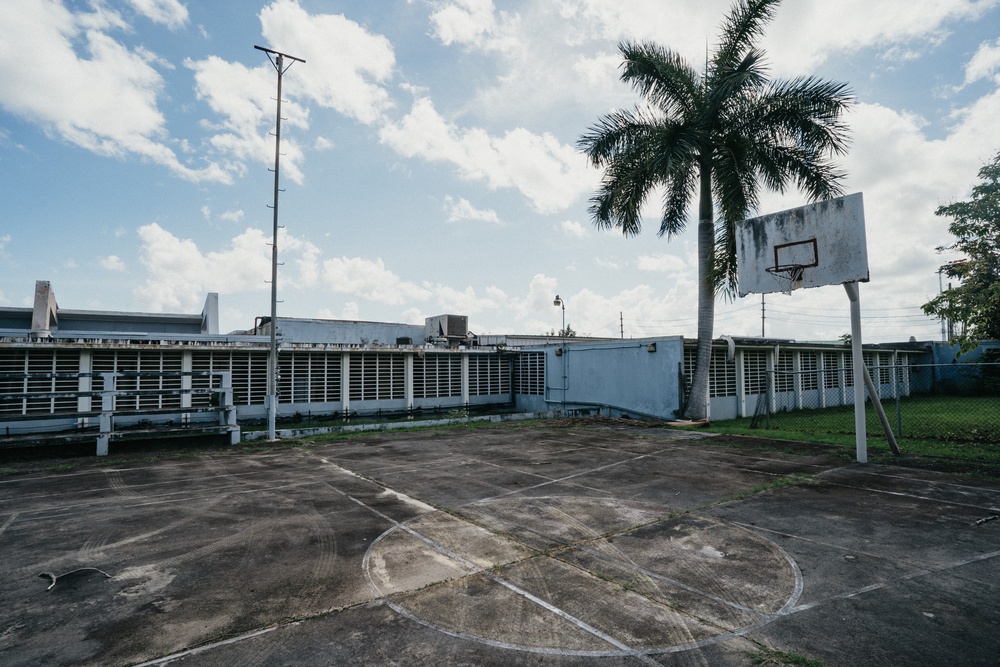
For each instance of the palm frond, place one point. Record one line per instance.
(661, 76)
(729, 88)
(805, 111)
(613, 134)
(812, 172)
(663, 155)
(627, 181)
(740, 29)
(723, 272)
(680, 191)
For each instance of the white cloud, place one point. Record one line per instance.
(571, 38)
(541, 291)
(463, 21)
(462, 209)
(985, 64)
(170, 13)
(344, 70)
(345, 64)
(370, 280)
(660, 262)
(305, 257)
(4, 240)
(801, 39)
(465, 302)
(233, 216)
(105, 103)
(179, 273)
(550, 174)
(797, 41)
(112, 263)
(574, 228)
(599, 69)
(206, 213)
(414, 316)
(645, 312)
(243, 98)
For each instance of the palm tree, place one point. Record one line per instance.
(717, 134)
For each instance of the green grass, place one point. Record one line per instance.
(777, 483)
(952, 434)
(952, 429)
(767, 657)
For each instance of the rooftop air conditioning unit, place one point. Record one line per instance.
(446, 326)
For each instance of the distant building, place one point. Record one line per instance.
(53, 363)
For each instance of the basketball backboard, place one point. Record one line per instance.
(810, 246)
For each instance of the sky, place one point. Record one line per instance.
(430, 162)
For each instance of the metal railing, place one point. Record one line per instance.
(100, 414)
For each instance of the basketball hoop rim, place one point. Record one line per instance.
(791, 269)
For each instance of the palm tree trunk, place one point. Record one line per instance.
(697, 407)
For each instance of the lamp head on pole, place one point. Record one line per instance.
(558, 302)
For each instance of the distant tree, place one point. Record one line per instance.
(716, 134)
(974, 304)
(568, 332)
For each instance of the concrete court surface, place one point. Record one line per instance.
(555, 544)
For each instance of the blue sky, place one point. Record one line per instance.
(430, 162)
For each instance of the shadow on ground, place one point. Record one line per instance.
(575, 543)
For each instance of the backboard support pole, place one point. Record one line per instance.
(858, 363)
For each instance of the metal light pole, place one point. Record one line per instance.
(559, 302)
(278, 60)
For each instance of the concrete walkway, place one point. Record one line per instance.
(508, 545)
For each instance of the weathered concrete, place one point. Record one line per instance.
(507, 545)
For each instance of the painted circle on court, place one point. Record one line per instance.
(581, 576)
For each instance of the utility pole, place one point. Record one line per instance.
(761, 315)
(621, 322)
(278, 60)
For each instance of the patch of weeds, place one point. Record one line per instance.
(23, 471)
(777, 483)
(598, 574)
(768, 657)
(552, 551)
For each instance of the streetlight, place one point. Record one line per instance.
(277, 59)
(559, 303)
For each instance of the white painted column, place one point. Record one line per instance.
(465, 378)
(85, 383)
(408, 380)
(186, 382)
(741, 393)
(345, 383)
(797, 378)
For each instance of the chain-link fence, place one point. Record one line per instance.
(956, 403)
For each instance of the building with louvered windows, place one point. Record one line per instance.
(61, 369)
